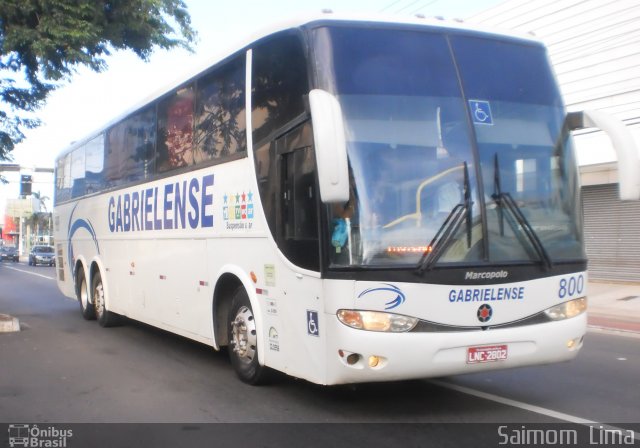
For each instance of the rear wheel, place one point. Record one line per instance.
(105, 317)
(243, 341)
(86, 305)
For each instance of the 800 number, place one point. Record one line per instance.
(571, 286)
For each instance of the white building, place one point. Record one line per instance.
(594, 46)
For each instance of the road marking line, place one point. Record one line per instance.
(31, 273)
(528, 407)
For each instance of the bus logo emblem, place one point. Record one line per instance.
(484, 313)
(398, 295)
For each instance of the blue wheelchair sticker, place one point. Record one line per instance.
(481, 112)
(312, 323)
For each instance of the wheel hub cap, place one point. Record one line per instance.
(243, 332)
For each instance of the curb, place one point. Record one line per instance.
(614, 323)
(613, 331)
(8, 324)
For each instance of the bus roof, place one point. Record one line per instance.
(298, 22)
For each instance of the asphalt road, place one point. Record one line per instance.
(63, 369)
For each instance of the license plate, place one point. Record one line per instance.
(489, 353)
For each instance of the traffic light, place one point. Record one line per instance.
(25, 185)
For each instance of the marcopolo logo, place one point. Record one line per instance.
(489, 275)
(34, 436)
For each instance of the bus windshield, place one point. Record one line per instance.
(441, 123)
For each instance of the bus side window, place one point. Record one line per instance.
(63, 179)
(78, 172)
(130, 148)
(175, 130)
(297, 220)
(282, 141)
(94, 165)
(279, 85)
(220, 125)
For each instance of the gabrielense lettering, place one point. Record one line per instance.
(178, 205)
(486, 294)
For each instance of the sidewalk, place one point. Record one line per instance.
(614, 306)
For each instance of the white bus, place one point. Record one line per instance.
(342, 200)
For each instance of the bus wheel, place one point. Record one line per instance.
(86, 306)
(243, 341)
(105, 317)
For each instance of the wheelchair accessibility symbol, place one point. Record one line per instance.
(481, 112)
(312, 323)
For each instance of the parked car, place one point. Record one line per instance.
(9, 253)
(42, 255)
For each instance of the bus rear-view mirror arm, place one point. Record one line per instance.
(330, 146)
(623, 143)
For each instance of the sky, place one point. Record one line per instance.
(89, 100)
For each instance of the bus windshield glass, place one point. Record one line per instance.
(484, 173)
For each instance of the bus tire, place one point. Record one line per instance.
(86, 306)
(105, 317)
(243, 341)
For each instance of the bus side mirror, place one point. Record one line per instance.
(623, 143)
(330, 146)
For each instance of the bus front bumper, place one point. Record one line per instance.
(366, 356)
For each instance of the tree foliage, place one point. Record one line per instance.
(43, 41)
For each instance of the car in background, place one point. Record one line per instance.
(42, 255)
(9, 253)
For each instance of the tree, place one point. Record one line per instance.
(43, 41)
(41, 200)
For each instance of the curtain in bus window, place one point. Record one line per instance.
(130, 153)
(220, 119)
(175, 129)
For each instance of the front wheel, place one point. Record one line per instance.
(105, 317)
(243, 341)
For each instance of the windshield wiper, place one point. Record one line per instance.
(461, 212)
(504, 200)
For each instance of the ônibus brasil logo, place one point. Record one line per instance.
(28, 435)
(398, 295)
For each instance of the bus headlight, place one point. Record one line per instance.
(377, 321)
(567, 310)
